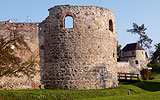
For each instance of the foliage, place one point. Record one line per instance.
(145, 74)
(144, 40)
(10, 63)
(118, 51)
(156, 54)
(155, 74)
(118, 47)
(155, 66)
(155, 59)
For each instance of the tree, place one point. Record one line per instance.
(156, 55)
(118, 51)
(144, 40)
(155, 59)
(118, 47)
(10, 63)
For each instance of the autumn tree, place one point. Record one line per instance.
(10, 63)
(144, 40)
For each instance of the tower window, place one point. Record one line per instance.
(110, 25)
(68, 22)
(136, 61)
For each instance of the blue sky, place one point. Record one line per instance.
(126, 12)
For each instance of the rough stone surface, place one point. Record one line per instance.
(123, 67)
(82, 57)
(130, 66)
(30, 32)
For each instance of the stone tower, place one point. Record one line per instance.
(81, 57)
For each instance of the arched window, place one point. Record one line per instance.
(110, 25)
(68, 22)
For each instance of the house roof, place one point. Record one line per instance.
(132, 46)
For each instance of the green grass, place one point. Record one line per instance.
(66, 94)
(145, 90)
(143, 96)
(156, 74)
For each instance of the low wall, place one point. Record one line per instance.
(123, 67)
(131, 66)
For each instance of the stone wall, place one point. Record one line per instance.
(123, 67)
(82, 57)
(131, 66)
(128, 67)
(30, 32)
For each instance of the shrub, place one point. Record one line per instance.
(145, 74)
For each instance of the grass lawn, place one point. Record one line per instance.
(143, 96)
(156, 74)
(144, 90)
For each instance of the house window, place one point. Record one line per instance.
(110, 25)
(133, 53)
(136, 61)
(68, 22)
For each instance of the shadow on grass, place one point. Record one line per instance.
(151, 86)
(129, 81)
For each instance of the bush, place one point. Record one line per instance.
(145, 74)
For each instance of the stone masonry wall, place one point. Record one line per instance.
(30, 32)
(130, 66)
(82, 57)
(123, 67)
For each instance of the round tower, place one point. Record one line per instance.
(82, 56)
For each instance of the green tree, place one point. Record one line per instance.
(10, 63)
(144, 40)
(156, 55)
(118, 47)
(118, 51)
(155, 59)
